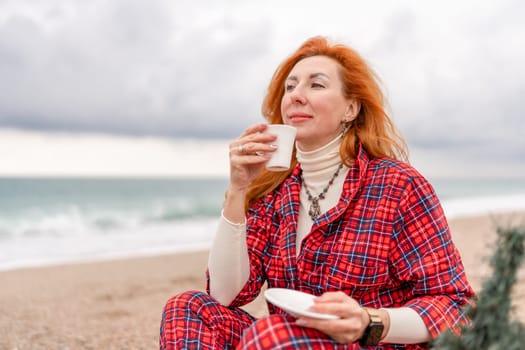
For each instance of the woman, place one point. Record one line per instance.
(350, 222)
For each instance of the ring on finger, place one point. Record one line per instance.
(241, 148)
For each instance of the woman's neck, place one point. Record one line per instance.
(320, 164)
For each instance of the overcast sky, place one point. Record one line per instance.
(100, 79)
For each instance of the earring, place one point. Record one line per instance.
(345, 127)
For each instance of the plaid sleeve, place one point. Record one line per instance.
(425, 257)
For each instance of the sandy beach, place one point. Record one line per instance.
(117, 304)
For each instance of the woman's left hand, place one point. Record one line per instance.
(353, 318)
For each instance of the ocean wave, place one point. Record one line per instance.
(180, 211)
(74, 232)
(482, 205)
(75, 220)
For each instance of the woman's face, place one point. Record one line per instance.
(314, 103)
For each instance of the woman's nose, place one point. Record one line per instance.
(297, 95)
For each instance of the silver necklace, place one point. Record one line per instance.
(315, 209)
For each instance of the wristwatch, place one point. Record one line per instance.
(373, 331)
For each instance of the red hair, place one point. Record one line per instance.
(372, 126)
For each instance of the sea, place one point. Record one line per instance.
(47, 221)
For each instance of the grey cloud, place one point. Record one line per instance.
(200, 69)
(464, 91)
(133, 67)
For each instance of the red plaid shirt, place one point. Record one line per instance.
(386, 244)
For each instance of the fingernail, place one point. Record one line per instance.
(300, 322)
(273, 146)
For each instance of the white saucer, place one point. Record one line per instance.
(295, 303)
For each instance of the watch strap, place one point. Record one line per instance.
(374, 330)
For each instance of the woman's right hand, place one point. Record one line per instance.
(248, 154)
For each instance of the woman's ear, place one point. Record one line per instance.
(352, 109)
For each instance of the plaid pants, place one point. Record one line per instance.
(194, 320)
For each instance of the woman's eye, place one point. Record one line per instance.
(317, 85)
(289, 87)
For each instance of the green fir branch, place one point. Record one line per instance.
(492, 327)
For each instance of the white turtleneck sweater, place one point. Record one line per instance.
(318, 168)
(228, 262)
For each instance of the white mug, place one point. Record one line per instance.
(282, 156)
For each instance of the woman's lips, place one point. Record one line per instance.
(299, 117)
